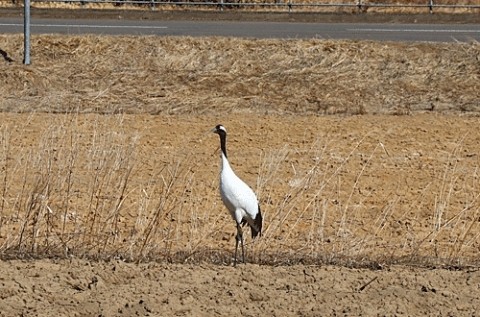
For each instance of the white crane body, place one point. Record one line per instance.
(238, 197)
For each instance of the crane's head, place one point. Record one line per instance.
(222, 132)
(219, 129)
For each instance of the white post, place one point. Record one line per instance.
(26, 32)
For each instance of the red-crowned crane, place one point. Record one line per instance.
(238, 197)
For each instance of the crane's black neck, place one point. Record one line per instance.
(223, 141)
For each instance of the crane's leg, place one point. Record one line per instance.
(239, 238)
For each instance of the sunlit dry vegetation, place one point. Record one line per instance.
(321, 6)
(93, 164)
(103, 187)
(196, 75)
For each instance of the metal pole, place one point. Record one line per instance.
(26, 32)
(430, 6)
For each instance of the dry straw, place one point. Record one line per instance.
(304, 6)
(206, 75)
(84, 187)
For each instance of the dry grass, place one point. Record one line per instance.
(83, 184)
(206, 75)
(340, 6)
(88, 186)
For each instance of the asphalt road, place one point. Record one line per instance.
(253, 29)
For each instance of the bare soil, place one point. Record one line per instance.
(82, 288)
(109, 180)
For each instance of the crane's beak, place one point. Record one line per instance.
(214, 130)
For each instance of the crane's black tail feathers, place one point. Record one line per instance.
(258, 221)
(257, 224)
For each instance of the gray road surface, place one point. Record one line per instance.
(286, 30)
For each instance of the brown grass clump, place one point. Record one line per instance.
(206, 75)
